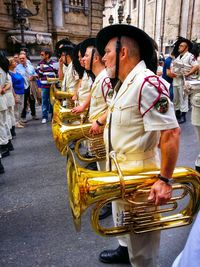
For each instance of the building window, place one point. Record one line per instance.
(76, 6)
(134, 4)
(76, 3)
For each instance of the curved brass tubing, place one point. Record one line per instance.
(88, 187)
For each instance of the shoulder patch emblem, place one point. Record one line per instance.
(162, 105)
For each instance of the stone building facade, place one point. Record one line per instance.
(57, 19)
(163, 20)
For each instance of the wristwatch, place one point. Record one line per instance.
(99, 123)
(168, 181)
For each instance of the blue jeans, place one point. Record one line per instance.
(46, 106)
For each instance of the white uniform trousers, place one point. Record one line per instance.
(11, 117)
(197, 130)
(5, 134)
(180, 99)
(143, 248)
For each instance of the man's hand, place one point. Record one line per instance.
(160, 193)
(74, 97)
(95, 129)
(78, 109)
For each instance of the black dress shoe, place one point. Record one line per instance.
(119, 255)
(105, 211)
(197, 168)
(5, 153)
(10, 146)
(1, 167)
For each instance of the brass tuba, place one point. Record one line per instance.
(68, 127)
(65, 115)
(63, 134)
(56, 93)
(88, 187)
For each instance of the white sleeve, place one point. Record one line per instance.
(157, 109)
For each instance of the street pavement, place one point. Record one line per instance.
(36, 227)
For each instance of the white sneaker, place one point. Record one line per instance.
(44, 120)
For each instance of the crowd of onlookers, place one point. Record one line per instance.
(22, 87)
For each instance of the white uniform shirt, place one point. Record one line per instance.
(186, 62)
(133, 136)
(4, 79)
(84, 89)
(99, 95)
(70, 79)
(10, 100)
(195, 101)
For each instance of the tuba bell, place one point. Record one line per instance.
(65, 115)
(87, 187)
(68, 127)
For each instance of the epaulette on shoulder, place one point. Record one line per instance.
(106, 80)
(157, 83)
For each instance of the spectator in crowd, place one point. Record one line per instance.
(16, 58)
(167, 74)
(160, 67)
(46, 69)
(28, 73)
(18, 86)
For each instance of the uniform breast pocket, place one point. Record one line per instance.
(96, 100)
(124, 115)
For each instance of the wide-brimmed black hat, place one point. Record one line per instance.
(144, 41)
(86, 43)
(64, 45)
(180, 40)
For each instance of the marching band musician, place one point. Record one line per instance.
(98, 99)
(140, 117)
(193, 88)
(66, 71)
(183, 67)
(5, 84)
(101, 89)
(85, 81)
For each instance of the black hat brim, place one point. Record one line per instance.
(85, 44)
(145, 42)
(180, 40)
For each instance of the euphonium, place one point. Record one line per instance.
(65, 115)
(65, 133)
(88, 187)
(55, 93)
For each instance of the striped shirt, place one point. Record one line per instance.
(46, 70)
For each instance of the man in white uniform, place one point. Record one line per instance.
(67, 73)
(140, 118)
(98, 99)
(183, 66)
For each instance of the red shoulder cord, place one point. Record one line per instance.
(158, 87)
(108, 84)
